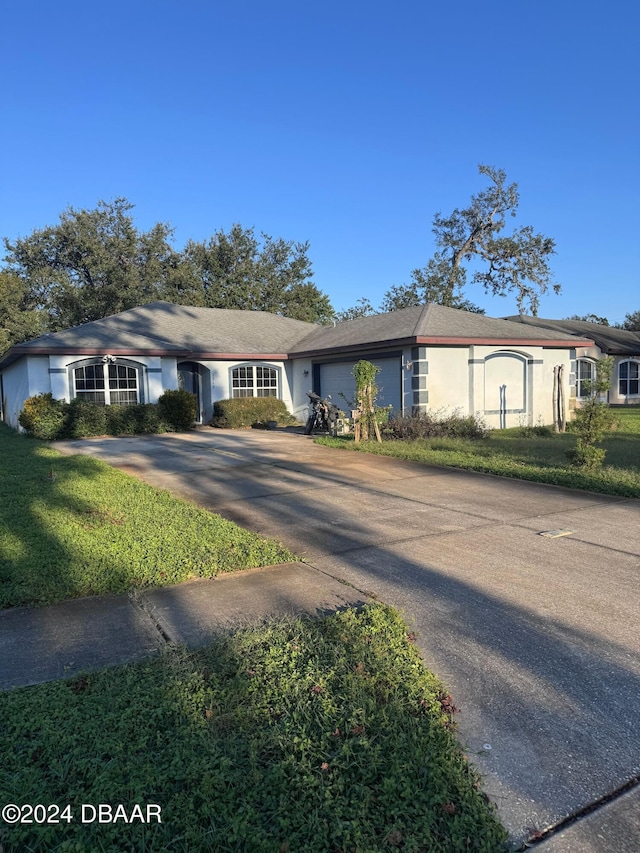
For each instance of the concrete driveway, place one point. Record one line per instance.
(537, 638)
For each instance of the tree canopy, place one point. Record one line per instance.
(362, 308)
(19, 317)
(517, 262)
(589, 318)
(91, 264)
(508, 263)
(237, 270)
(632, 322)
(94, 263)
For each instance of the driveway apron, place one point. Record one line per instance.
(536, 637)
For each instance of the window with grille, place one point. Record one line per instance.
(254, 380)
(628, 378)
(106, 384)
(585, 373)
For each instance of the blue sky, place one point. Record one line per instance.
(345, 124)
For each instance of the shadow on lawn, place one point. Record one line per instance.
(39, 514)
(557, 698)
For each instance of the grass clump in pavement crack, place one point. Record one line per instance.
(300, 735)
(72, 526)
(526, 454)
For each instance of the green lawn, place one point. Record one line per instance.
(509, 453)
(298, 735)
(72, 526)
(302, 735)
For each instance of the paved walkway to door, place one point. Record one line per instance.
(536, 637)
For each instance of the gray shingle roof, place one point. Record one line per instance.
(423, 321)
(162, 327)
(180, 328)
(610, 340)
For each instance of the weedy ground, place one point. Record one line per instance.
(527, 454)
(300, 735)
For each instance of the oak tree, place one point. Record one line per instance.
(20, 318)
(239, 270)
(515, 262)
(91, 264)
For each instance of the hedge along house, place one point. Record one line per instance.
(622, 345)
(430, 358)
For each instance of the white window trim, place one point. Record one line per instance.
(629, 378)
(105, 363)
(254, 379)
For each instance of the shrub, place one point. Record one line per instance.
(247, 411)
(120, 421)
(43, 417)
(83, 419)
(538, 430)
(49, 419)
(586, 456)
(434, 425)
(178, 409)
(134, 419)
(593, 419)
(145, 418)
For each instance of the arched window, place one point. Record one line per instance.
(628, 376)
(106, 383)
(585, 372)
(254, 380)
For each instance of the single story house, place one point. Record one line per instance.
(430, 358)
(621, 345)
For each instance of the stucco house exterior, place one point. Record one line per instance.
(430, 358)
(621, 345)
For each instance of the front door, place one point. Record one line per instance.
(189, 380)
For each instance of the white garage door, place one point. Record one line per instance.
(337, 380)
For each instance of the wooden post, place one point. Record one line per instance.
(366, 399)
(562, 420)
(355, 414)
(372, 414)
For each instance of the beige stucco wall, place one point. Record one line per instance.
(151, 378)
(506, 386)
(218, 376)
(15, 388)
(538, 366)
(300, 371)
(448, 378)
(458, 378)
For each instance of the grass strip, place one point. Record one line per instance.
(72, 526)
(518, 453)
(300, 735)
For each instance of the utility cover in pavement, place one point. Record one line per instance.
(555, 534)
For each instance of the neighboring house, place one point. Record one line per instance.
(622, 345)
(430, 358)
